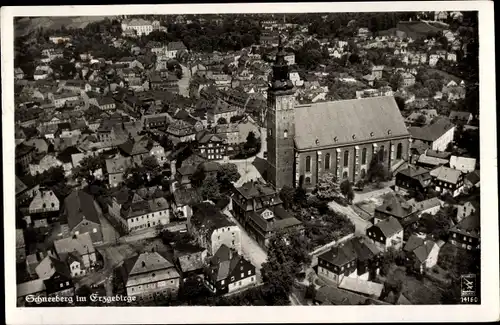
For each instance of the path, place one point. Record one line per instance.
(360, 197)
(359, 223)
(183, 83)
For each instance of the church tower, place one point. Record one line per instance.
(280, 124)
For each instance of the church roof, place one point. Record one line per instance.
(347, 121)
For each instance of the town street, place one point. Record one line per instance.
(251, 250)
(184, 81)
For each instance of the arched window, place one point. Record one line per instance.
(363, 156)
(346, 158)
(308, 164)
(327, 161)
(399, 151)
(381, 153)
(285, 134)
(308, 180)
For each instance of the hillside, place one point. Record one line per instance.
(419, 29)
(26, 25)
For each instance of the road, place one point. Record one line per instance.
(251, 250)
(359, 223)
(184, 81)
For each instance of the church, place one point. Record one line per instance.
(339, 137)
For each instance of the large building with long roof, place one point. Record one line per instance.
(339, 137)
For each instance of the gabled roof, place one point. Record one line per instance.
(206, 216)
(462, 163)
(446, 174)
(369, 288)
(396, 206)
(255, 189)
(426, 204)
(339, 255)
(431, 132)
(224, 262)
(79, 206)
(460, 115)
(367, 119)
(422, 252)
(469, 226)
(80, 244)
(146, 262)
(389, 227)
(473, 177)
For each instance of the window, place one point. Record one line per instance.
(249, 272)
(344, 175)
(363, 156)
(363, 173)
(308, 164)
(308, 180)
(382, 153)
(327, 161)
(94, 230)
(222, 282)
(251, 279)
(232, 278)
(242, 275)
(399, 151)
(285, 134)
(346, 158)
(239, 283)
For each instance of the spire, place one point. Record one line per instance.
(280, 79)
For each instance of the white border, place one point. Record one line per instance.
(488, 311)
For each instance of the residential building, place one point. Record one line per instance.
(44, 202)
(24, 155)
(210, 146)
(190, 258)
(466, 234)
(412, 179)
(116, 168)
(463, 164)
(437, 135)
(106, 103)
(447, 180)
(138, 26)
(60, 284)
(212, 229)
(387, 233)
(259, 210)
(407, 80)
(83, 215)
(421, 254)
(222, 110)
(150, 276)
(184, 199)
(396, 207)
(139, 214)
(430, 162)
(229, 133)
(429, 206)
(173, 48)
(181, 131)
(465, 210)
(228, 271)
(77, 252)
(355, 258)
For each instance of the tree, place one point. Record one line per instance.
(376, 169)
(210, 188)
(327, 187)
(421, 119)
(222, 120)
(287, 255)
(227, 174)
(151, 166)
(401, 102)
(346, 190)
(87, 168)
(287, 195)
(437, 225)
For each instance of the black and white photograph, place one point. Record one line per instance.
(314, 155)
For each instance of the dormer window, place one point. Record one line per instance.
(389, 132)
(317, 141)
(335, 139)
(371, 134)
(354, 136)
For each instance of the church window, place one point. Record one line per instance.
(285, 134)
(308, 180)
(308, 164)
(382, 153)
(344, 175)
(363, 156)
(399, 151)
(363, 173)
(327, 161)
(346, 158)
